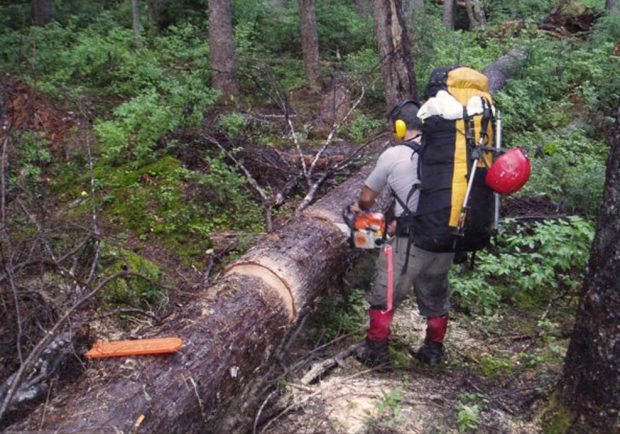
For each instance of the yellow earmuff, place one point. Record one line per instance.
(400, 129)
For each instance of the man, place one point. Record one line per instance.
(426, 272)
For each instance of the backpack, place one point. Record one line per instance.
(458, 138)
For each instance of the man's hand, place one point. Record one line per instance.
(367, 198)
(355, 207)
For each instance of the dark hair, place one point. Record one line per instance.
(407, 111)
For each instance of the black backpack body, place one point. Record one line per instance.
(457, 134)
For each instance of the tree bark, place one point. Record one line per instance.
(42, 12)
(413, 11)
(449, 10)
(395, 52)
(505, 67)
(310, 42)
(154, 8)
(591, 380)
(612, 6)
(475, 14)
(363, 7)
(222, 41)
(135, 20)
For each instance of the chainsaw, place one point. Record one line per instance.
(366, 230)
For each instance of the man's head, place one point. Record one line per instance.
(405, 120)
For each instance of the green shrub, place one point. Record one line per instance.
(155, 202)
(526, 264)
(568, 167)
(339, 315)
(233, 123)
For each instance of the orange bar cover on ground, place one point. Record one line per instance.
(138, 347)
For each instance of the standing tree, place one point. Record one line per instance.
(42, 12)
(135, 20)
(394, 51)
(591, 381)
(363, 7)
(612, 6)
(449, 10)
(222, 41)
(153, 8)
(414, 10)
(310, 42)
(475, 14)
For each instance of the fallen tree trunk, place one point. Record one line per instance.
(504, 68)
(230, 331)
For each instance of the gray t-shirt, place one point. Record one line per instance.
(397, 167)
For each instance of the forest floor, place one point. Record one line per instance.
(498, 375)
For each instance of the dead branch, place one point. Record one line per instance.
(93, 197)
(266, 199)
(42, 345)
(322, 367)
(18, 316)
(314, 187)
(334, 129)
(39, 261)
(304, 168)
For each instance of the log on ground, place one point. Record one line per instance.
(504, 68)
(229, 330)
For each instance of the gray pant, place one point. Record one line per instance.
(427, 273)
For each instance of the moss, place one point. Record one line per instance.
(557, 417)
(131, 291)
(494, 367)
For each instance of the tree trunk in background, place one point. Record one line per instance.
(222, 41)
(413, 11)
(135, 20)
(363, 7)
(612, 6)
(591, 381)
(475, 14)
(154, 15)
(449, 10)
(394, 52)
(42, 12)
(310, 42)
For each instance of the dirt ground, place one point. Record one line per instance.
(497, 376)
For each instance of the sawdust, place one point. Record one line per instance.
(409, 398)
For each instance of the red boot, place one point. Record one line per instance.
(375, 349)
(431, 352)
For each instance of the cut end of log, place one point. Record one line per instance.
(270, 278)
(330, 216)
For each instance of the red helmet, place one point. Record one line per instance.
(509, 172)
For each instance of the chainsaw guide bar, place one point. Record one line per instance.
(139, 347)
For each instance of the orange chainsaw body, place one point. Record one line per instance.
(369, 230)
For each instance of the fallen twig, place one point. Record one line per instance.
(46, 339)
(266, 199)
(320, 368)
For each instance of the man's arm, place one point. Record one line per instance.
(367, 198)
